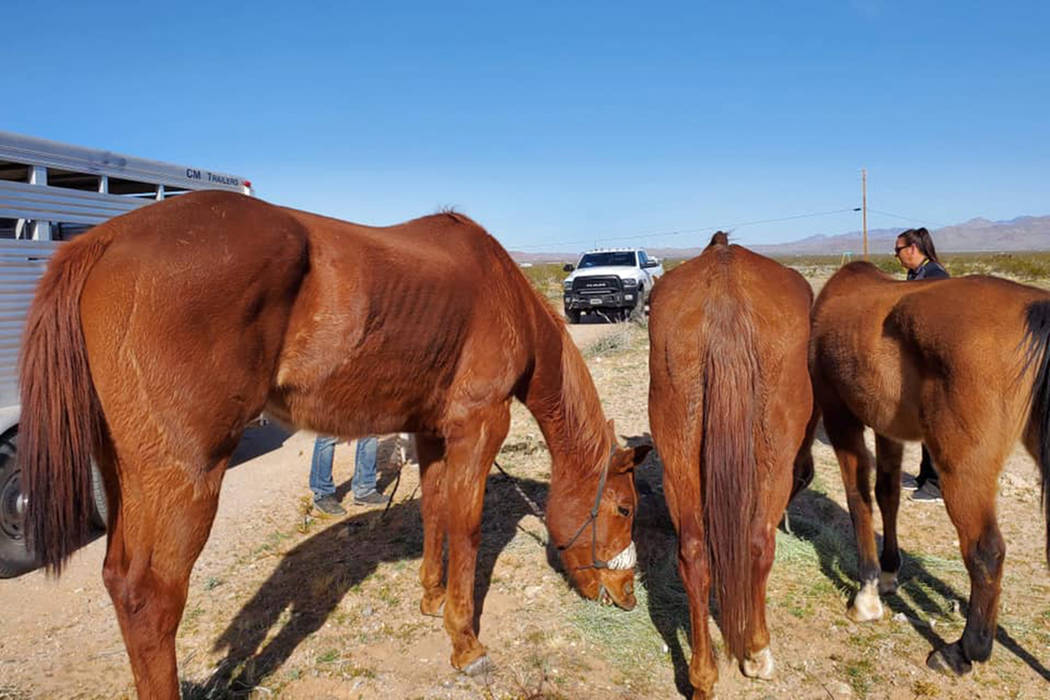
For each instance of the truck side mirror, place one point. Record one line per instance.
(569, 267)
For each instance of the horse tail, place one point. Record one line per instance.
(61, 422)
(1037, 337)
(728, 469)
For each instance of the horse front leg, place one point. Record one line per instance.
(470, 450)
(431, 451)
(847, 437)
(888, 494)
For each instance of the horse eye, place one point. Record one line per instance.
(624, 511)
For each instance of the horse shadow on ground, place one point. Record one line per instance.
(824, 524)
(314, 576)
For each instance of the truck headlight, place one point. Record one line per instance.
(630, 283)
(567, 284)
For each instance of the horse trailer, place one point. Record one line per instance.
(49, 193)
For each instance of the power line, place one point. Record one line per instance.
(911, 219)
(680, 232)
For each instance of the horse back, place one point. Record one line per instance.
(404, 317)
(885, 348)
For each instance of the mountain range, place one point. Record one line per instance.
(1024, 233)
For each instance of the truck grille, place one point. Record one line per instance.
(597, 285)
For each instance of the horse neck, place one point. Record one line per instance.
(562, 398)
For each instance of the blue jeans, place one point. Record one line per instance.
(364, 481)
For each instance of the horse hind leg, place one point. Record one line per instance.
(968, 483)
(431, 451)
(156, 534)
(759, 661)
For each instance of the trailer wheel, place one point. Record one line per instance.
(99, 510)
(15, 557)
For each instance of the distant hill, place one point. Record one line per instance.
(975, 235)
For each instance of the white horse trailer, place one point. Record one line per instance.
(51, 192)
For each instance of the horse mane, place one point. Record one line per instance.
(449, 212)
(583, 408)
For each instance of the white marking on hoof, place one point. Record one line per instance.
(480, 665)
(866, 605)
(759, 665)
(887, 582)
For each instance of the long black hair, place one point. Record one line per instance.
(920, 238)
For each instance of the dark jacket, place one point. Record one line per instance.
(929, 270)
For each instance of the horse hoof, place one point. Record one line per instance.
(433, 605)
(432, 610)
(866, 604)
(478, 666)
(759, 665)
(949, 660)
(887, 582)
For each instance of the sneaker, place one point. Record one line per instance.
(909, 482)
(372, 498)
(327, 505)
(928, 493)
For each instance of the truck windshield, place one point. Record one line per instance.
(612, 259)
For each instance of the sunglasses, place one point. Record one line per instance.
(897, 249)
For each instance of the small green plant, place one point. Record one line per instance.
(328, 656)
(614, 342)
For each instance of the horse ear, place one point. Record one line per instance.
(628, 459)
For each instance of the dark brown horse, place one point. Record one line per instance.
(960, 364)
(154, 339)
(729, 404)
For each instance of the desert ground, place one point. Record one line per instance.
(285, 604)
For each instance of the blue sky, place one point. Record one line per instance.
(558, 125)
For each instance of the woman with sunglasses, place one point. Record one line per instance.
(914, 249)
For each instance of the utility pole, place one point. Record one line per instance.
(864, 207)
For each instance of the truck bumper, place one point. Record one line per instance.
(577, 302)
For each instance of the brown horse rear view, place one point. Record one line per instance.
(154, 339)
(960, 364)
(729, 403)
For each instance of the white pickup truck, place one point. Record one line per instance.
(613, 282)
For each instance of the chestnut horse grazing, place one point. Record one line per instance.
(729, 403)
(960, 364)
(155, 338)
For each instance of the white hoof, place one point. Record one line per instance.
(887, 582)
(866, 605)
(759, 665)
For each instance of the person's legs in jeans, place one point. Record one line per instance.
(364, 481)
(321, 482)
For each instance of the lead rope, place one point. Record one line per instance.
(403, 459)
(521, 492)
